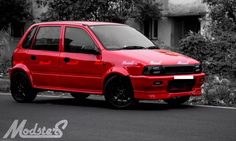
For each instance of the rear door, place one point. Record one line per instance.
(44, 57)
(81, 70)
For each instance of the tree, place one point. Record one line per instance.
(218, 51)
(223, 15)
(147, 9)
(99, 10)
(14, 11)
(223, 26)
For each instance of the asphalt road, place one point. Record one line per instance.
(92, 120)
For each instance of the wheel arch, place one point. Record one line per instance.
(23, 69)
(115, 74)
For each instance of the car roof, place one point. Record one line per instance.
(87, 23)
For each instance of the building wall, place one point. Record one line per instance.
(177, 15)
(165, 28)
(186, 7)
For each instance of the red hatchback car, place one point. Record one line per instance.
(85, 58)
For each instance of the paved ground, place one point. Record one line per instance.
(92, 120)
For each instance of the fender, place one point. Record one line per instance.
(115, 70)
(23, 68)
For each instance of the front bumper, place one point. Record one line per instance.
(144, 87)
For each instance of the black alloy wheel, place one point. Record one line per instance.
(118, 92)
(21, 88)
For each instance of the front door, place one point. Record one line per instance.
(81, 69)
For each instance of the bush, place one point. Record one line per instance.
(219, 63)
(216, 55)
(4, 51)
(196, 46)
(219, 91)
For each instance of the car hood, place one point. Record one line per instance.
(156, 57)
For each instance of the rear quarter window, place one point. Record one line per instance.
(29, 38)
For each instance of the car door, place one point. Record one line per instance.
(44, 57)
(80, 66)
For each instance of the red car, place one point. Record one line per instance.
(85, 58)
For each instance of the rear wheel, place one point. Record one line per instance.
(177, 100)
(118, 92)
(79, 96)
(21, 88)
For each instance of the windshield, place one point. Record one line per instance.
(116, 37)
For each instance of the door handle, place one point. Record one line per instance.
(33, 57)
(66, 59)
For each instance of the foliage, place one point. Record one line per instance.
(14, 11)
(219, 91)
(216, 91)
(101, 10)
(216, 52)
(223, 15)
(147, 9)
(4, 51)
(195, 45)
(217, 56)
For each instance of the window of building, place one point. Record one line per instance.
(77, 40)
(151, 29)
(155, 29)
(147, 28)
(47, 39)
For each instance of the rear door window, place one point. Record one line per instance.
(47, 39)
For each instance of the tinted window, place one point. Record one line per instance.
(29, 37)
(118, 36)
(47, 39)
(77, 40)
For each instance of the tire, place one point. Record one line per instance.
(119, 92)
(21, 89)
(79, 96)
(177, 100)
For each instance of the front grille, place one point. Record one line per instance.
(180, 85)
(178, 69)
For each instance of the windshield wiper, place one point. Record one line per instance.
(153, 47)
(133, 47)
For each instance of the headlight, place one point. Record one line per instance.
(152, 70)
(198, 68)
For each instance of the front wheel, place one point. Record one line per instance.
(118, 92)
(21, 88)
(177, 100)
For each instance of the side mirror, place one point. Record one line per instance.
(92, 50)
